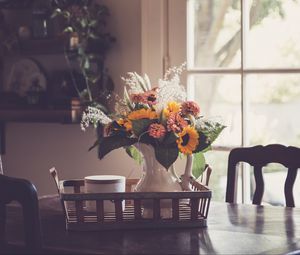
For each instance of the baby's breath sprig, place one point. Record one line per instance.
(174, 72)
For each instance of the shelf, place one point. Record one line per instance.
(15, 4)
(45, 46)
(68, 114)
(36, 115)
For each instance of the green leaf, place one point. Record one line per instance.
(93, 23)
(141, 81)
(204, 144)
(166, 156)
(66, 14)
(212, 130)
(107, 144)
(140, 126)
(68, 30)
(86, 64)
(56, 13)
(96, 143)
(135, 154)
(147, 82)
(170, 138)
(198, 164)
(127, 99)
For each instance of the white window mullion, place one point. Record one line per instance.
(244, 98)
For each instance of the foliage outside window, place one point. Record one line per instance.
(243, 64)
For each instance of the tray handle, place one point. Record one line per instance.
(54, 174)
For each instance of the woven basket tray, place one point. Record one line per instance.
(189, 208)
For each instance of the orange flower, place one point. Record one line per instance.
(157, 130)
(190, 107)
(175, 122)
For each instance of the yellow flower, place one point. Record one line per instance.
(139, 114)
(121, 122)
(128, 125)
(125, 123)
(188, 140)
(172, 107)
(142, 114)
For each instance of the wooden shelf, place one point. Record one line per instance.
(37, 115)
(67, 114)
(46, 46)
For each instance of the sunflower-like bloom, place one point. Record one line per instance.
(125, 123)
(172, 107)
(142, 114)
(157, 130)
(188, 140)
(190, 107)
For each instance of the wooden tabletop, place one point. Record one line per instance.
(232, 229)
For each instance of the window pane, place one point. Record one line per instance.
(218, 180)
(274, 177)
(273, 39)
(273, 99)
(214, 33)
(219, 97)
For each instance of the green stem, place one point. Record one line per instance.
(71, 73)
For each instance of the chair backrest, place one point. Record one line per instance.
(24, 192)
(258, 157)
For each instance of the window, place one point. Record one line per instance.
(244, 68)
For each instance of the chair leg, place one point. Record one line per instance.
(2, 224)
(32, 227)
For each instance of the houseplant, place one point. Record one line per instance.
(159, 123)
(84, 21)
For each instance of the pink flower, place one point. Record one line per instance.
(137, 98)
(148, 97)
(175, 122)
(190, 107)
(157, 130)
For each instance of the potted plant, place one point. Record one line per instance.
(84, 22)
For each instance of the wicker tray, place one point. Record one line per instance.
(189, 208)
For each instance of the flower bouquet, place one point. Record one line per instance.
(159, 116)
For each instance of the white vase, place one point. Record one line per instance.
(155, 178)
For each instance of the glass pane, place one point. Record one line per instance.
(273, 39)
(218, 180)
(214, 38)
(274, 177)
(219, 97)
(273, 99)
(272, 102)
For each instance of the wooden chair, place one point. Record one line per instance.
(258, 157)
(24, 192)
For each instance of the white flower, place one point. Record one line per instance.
(170, 90)
(93, 115)
(136, 83)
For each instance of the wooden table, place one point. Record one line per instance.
(232, 229)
